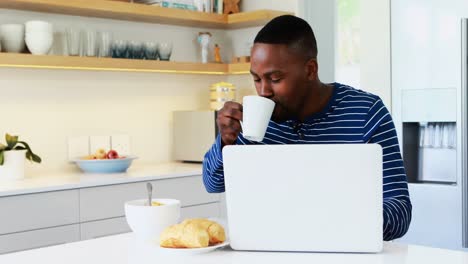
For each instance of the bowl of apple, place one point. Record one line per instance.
(103, 161)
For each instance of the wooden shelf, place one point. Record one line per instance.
(16, 60)
(143, 13)
(239, 68)
(252, 18)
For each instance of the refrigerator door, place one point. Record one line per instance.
(464, 130)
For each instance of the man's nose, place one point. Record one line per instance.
(265, 90)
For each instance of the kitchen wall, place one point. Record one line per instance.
(375, 66)
(290, 5)
(45, 107)
(376, 49)
(243, 38)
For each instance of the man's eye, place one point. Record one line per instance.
(256, 80)
(275, 80)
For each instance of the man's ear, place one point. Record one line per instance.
(312, 69)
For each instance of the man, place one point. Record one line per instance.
(284, 68)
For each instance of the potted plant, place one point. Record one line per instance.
(12, 157)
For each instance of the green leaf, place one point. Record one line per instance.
(36, 158)
(29, 154)
(2, 147)
(11, 140)
(19, 148)
(2, 159)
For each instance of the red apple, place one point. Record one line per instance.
(112, 154)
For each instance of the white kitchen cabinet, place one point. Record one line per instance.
(55, 217)
(36, 211)
(222, 206)
(118, 225)
(210, 210)
(104, 202)
(39, 238)
(97, 203)
(189, 190)
(102, 228)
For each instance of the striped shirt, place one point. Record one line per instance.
(351, 116)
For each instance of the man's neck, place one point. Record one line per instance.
(317, 100)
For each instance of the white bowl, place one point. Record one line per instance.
(39, 44)
(38, 26)
(147, 222)
(12, 37)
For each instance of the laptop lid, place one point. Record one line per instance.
(323, 198)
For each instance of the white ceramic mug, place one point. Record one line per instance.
(257, 112)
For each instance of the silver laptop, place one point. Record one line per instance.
(320, 198)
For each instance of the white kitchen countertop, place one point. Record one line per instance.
(56, 181)
(124, 248)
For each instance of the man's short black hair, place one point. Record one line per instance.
(292, 31)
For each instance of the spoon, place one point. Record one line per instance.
(149, 188)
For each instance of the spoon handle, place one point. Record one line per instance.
(149, 188)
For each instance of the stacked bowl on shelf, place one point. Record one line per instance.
(37, 35)
(12, 37)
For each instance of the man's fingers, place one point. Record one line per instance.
(229, 123)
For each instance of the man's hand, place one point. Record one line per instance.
(228, 122)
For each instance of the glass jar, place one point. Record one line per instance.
(220, 93)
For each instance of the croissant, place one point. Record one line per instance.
(192, 233)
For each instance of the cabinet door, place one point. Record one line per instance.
(102, 228)
(35, 211)
(210, 210)
(189, 190)
(39, 238)
(104, 202)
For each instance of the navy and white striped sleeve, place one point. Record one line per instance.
(397, 206)
(213, 171)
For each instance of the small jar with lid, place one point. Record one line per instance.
(220, 93)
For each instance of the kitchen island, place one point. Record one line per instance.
(124, 248)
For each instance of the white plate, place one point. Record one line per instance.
(193, 251)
